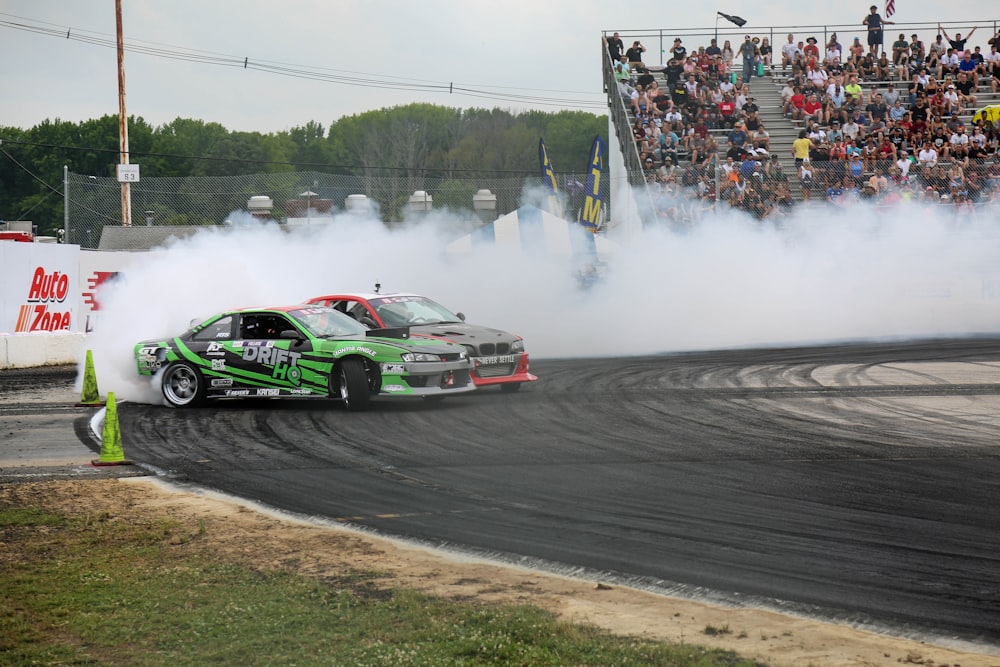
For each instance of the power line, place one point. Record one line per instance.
(326, 75)
(50, 190)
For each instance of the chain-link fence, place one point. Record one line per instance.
(94, 204)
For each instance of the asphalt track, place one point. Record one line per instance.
(855, 483)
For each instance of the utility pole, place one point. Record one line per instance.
(122, 118)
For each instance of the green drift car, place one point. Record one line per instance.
(302, 352)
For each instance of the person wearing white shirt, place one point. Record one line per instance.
(836, 95)
(927, 157)
(851, 129)
(816, 134)
(948, 63)
(786, 92)
(818, 76)
(959, 138)
(904, 165)
(789, 53)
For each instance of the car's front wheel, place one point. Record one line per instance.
(352, 384)
(183, 385)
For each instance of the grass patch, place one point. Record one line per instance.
(100, 590)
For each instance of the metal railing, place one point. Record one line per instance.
(695, 37)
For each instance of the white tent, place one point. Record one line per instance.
(534, 230)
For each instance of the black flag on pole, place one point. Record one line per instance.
(738, 20)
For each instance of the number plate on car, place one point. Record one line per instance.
(497, 359)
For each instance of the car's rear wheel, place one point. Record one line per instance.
(183, 385)
(510, 387)
(352, 384)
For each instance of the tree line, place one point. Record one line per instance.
(397, 142)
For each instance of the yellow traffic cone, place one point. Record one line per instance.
(90, 397)
(112, 453)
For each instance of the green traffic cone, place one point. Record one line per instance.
(112, 453)
(90, 397)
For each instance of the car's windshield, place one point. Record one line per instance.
(327, 322)
(401, 311)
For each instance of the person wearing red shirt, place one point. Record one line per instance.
(811, 51)
(796, 103)
(886, 151)
(813, 108)
(727, 111)
(906, 125)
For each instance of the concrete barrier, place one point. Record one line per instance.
(41, 349)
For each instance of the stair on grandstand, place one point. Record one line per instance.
(766, 92)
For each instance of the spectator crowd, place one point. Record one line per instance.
(878, 124)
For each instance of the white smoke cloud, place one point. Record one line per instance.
(828, 275)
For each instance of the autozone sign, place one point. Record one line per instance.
(45, 307)
(39, 287)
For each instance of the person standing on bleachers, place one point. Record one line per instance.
(801, 147)
(616, 48)
(875, 24)
(958, 43)
(749, 53)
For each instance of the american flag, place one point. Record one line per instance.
(890, 8)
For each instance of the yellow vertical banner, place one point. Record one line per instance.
(552, 204)
(590, 214)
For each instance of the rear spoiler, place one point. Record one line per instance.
(391, 332)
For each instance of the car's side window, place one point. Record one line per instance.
(263, 326)
(359, 312)
(221, 329)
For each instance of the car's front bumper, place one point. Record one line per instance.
(427, 378)
(501, 369)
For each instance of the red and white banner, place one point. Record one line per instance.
(890, 8)
(99, 269)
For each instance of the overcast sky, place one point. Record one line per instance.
(545, 51)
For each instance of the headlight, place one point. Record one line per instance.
(420, 356)
(517, 345)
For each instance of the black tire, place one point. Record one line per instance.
(183, 385)
(350, 381)
(510, 387)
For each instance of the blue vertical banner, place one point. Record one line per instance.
(590, 214)
(549, 181)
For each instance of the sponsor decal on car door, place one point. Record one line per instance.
(269, 359)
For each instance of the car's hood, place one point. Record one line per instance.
(418, 344)
(461, 332)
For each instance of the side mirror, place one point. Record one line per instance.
(292, 334)
(461, 316)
